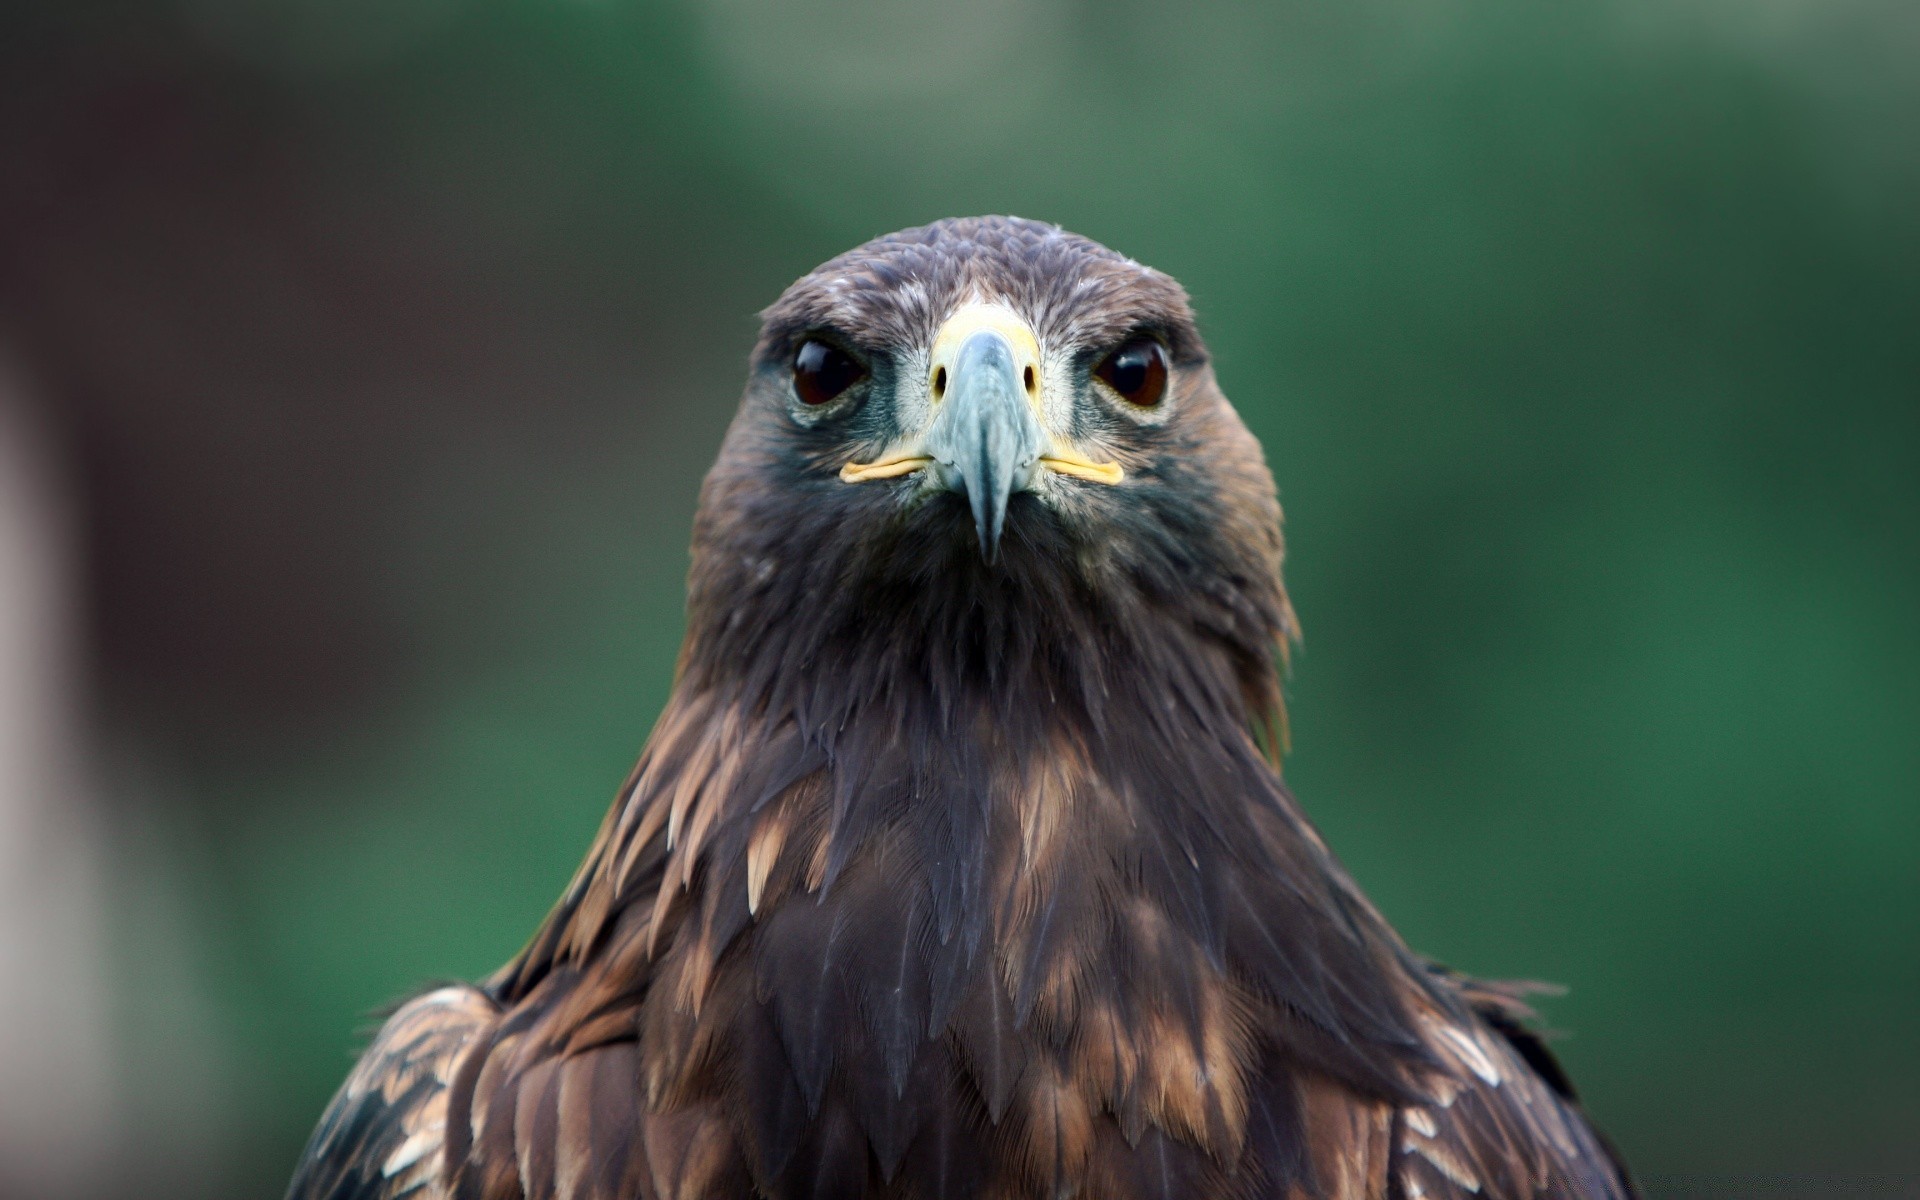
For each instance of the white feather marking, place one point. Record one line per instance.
(415, 1148)
(1445, 1163)
(1471, 1053)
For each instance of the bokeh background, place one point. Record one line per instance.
(360, 359)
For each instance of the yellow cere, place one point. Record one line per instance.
(963, 324)
(971, 319)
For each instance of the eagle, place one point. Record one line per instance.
(959, 863)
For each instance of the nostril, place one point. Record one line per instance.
(939, 383)
(1027, 377)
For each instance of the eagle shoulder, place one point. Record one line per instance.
(383, 1134)
(1501, 1120)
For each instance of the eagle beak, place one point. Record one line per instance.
(985, 439)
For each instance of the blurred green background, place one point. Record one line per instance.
(371, 351)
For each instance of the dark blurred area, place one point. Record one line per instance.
(360, 360)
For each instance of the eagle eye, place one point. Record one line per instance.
(821, 372)
(1137, 371)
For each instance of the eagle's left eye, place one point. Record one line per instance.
(821, 372)
(1137, 370)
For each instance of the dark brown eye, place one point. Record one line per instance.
(1137, 370)
(821, 372)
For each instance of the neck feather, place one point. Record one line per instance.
(1014, 788)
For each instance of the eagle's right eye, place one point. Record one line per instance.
(821, 372)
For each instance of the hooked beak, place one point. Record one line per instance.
(985, 438)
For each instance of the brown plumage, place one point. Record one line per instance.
(957, 864)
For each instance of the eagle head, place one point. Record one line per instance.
(991, 433)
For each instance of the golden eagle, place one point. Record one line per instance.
(957, 864)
